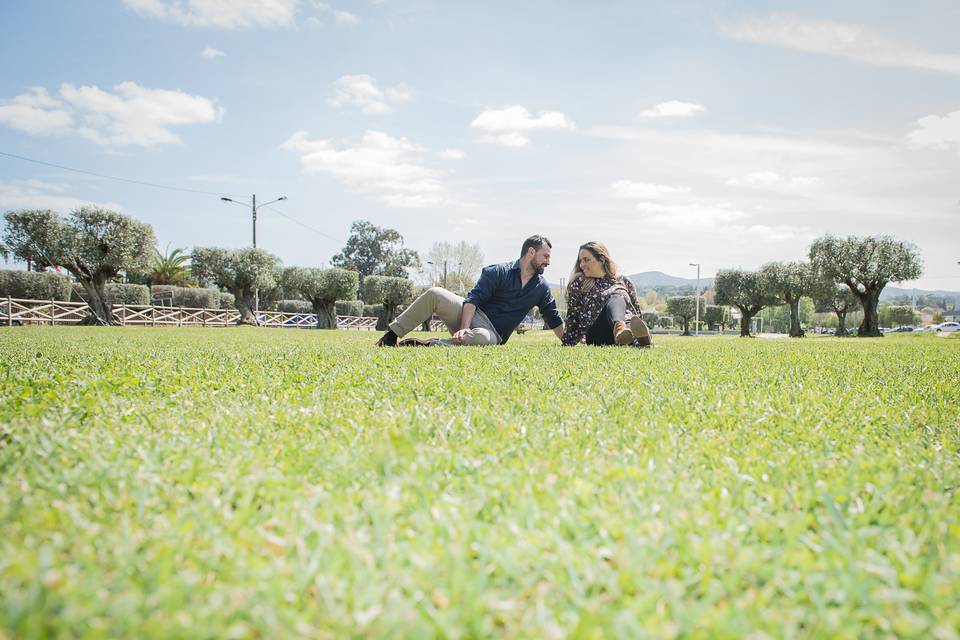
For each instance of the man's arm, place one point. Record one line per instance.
(548, 309)
(466, 317)
(559, 330)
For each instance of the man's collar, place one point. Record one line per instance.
(516, 265)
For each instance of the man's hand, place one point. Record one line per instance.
(460, 335)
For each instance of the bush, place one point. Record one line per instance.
(227, 300)
(372, 310)
(117, 293)
(349, 307)
(127, 293)
(294, 306)
(31, 285)
(190, 297)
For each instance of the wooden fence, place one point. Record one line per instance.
(14, 311)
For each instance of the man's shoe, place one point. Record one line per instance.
(639, 330)
(389, 339)
(621, 335)
(415, 342)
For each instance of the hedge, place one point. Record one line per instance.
(349, 307)
(227, 300)
(127, 293)
(33, 285)
(294, 306)
(190, 297)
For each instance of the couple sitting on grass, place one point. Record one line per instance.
(602, 306)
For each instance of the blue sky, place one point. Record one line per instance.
(724, 133)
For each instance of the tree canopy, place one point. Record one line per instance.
(93, 244)
(454, 266)
(240, 271)
(388, 291)
(748, 291)
(322, 287)
(866, 264)
(789, 281)
(372, 250)
(685, 308)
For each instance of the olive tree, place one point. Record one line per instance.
(789, 281)
(322, 287)
(866, 265)
(748, 291)
(714, 315)
(838, 298)
(685, 308)
(93, 244)
(390, 292)
(899, 315)
(239, 271)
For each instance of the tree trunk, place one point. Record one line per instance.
(745, 318)
(686, 326)
(795, 330)
(426, 324)
(326, 311)
(841, 324)
(870, 327)
(244, 299)
(100, 313)
(385, 318)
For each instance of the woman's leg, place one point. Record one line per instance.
(611, 318)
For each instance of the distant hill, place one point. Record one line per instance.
(655, 279)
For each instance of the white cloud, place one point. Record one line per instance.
(507, 126)
(391, 169)
(936, 131)
(131, 115)
(345, 17)
(696, 214)
(36, 113)
(37, 194)
(772, 179)
(635, 190)
(452, 154)
(843, 40)
(361, 91)
(223, 14)
(211, 53)
(673, 109)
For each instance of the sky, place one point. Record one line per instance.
(726, 133)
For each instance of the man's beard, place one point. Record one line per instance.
(538, 268)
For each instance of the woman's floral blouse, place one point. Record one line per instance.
(586, 298)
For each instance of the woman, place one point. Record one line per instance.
(602, 307)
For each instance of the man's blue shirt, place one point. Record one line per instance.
(499, 295)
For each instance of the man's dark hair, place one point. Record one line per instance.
(535, 242)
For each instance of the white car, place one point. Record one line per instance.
(947, 326)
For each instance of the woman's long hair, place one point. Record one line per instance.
(602, 255)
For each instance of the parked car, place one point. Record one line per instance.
(901, 330)
(947, 327)
(929, 327)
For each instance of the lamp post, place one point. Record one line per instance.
(253, 207)
(697, 298)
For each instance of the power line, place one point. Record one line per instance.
(107, 177)
(302, 224)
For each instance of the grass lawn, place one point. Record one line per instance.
(244, 483)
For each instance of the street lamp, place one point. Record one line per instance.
(697, 321)
(253, 206)
(459, 264)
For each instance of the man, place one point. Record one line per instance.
(491, 312)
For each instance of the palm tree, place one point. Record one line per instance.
(172, 268)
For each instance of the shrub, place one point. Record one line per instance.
(190, 297)
(31, 285)
(127, 293)
(372, 310)
(349, 307)
(227, 300)
(294, 306)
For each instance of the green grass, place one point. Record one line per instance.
(235, 483)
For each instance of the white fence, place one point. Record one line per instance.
(14, 311)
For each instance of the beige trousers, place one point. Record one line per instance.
(448, 307)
